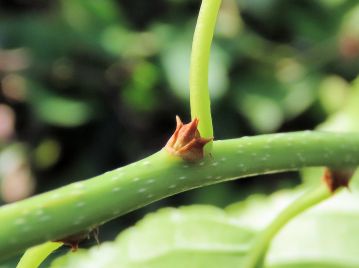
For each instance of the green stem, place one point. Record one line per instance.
(34, 256)
(303, 203)
(83, 205)
(201, 46)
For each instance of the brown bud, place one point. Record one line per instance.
(336, 179)
(186, 141)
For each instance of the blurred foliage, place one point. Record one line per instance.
(88, 85)
(206, 236)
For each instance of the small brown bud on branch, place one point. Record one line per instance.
(336, 179)
(186, 142)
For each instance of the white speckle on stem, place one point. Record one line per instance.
(55, 196)
(39, 212)
(78, 221)
(25, 212)
(142, 190)
(76, 192)
(116, 177)
(301, 157)
(150, 181)
(243, 167)
(45, 218)
(80, 204)
(303, 141)
(182, 177)
(19, 221)
(26, 229)
(116, 212)
(79, 185)
(176, 216)
(116, 189)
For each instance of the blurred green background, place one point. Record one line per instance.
(90, 85)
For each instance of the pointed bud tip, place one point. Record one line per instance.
(186, 141)
(178, 121)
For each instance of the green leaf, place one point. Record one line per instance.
(34, 256)
(194, 236)
(324, 236)
(205, 236)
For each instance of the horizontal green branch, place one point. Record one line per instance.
(92, 202)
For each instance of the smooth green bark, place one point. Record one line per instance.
(201, 46)
(83, 205)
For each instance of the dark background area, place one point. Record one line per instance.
(87, 86)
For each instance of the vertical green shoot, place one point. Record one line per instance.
(199, 93)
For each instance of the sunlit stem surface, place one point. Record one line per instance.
(199, 92)
(83, 205)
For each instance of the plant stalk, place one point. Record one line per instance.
(86, 204)
(201, 46)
